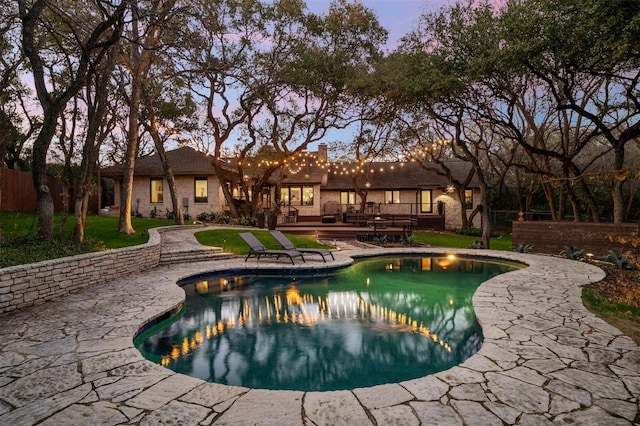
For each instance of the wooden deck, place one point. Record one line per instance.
(344, 231)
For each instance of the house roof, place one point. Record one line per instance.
(183, 161)
(303, 174)
(408, 175)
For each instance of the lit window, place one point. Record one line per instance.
(392, 197)
(201, 190)
(468, 198)
(298, 195)
(426, 206)
(348, 197)
(156, 190)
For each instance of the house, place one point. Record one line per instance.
(309, 188)
(196, 181)
(392, 188)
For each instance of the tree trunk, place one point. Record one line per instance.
(124, 225)
(484, 212)
(96, 133)
(548, 193)
(573, 200)
(464, 220)
(617, 196)
(140, 63)
(168, 172)
(45, 208)
(5, 123)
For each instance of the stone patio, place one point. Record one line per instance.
(545, 360)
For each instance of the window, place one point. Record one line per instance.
(426, 206)
(156, 190)
(348, 197)
(201, 190)
(392, 197)
(468, 198)
(236, 191)
(298, 195)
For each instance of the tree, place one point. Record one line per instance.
(52, 33)
(284, 94)
(224, 38)
(99, 125)
(438, 77)
(145, 33)
(165, 115)
(587, 58)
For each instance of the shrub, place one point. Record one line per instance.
(247, 221)
(474, 232)
(408, 239)
(524, 248)
(380, 239)
(202, 217)
(218, 217)
(477, 244)
(621, 261)
(471, 232)
(571, 252)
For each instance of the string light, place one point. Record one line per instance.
(303, 161)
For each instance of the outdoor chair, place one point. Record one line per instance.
(256, 248)
(332, 210)
(288, 245)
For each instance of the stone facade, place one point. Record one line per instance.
(28, 285)
(142, 204)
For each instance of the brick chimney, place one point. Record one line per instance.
(322, 153)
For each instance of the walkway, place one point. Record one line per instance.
(545, 360)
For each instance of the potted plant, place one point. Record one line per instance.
(260, 216)
(272, 216)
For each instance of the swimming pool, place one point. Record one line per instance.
(381, 320)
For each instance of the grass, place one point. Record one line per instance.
(229, 239)
(443, 239)
(620, 315)
(231, 242)
(20, 244)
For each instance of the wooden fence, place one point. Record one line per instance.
(596, 238)
(19, 195)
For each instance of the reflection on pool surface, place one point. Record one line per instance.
(381, 320)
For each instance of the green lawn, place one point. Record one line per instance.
(20, 244)
(444, 239)
(229, 239)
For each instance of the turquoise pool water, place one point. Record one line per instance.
(381, 320)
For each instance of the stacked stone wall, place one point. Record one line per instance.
(28, 285)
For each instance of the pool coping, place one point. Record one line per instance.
(545, 359)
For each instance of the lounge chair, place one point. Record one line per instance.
(256, 248)
(288, 245)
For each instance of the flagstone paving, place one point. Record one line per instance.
(545, 361)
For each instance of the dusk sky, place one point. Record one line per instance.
(398, 17)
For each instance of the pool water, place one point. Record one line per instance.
(381, 320)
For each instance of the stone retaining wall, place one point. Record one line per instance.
(596, 238)
(27, 285)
